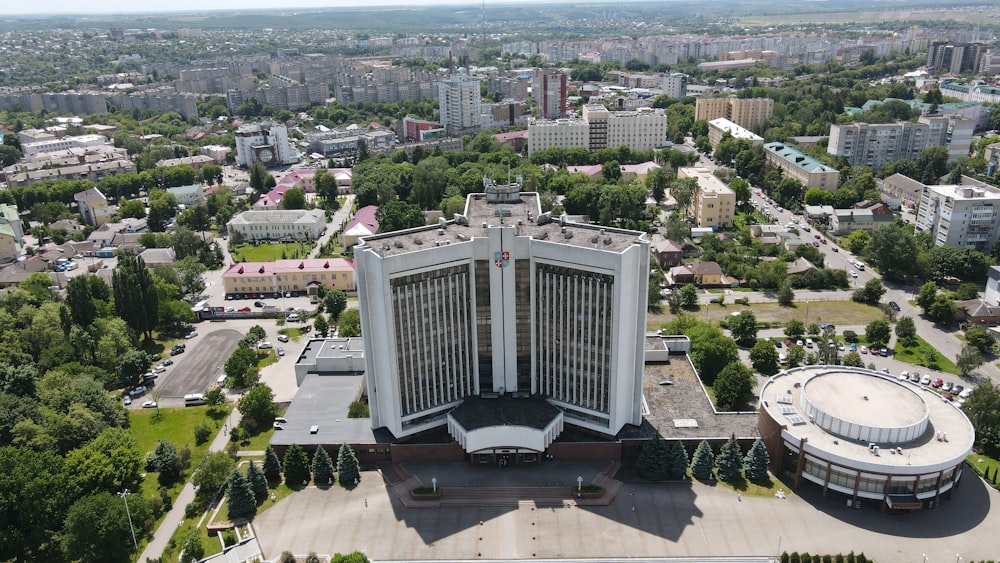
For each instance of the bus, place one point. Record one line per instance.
(194, 399)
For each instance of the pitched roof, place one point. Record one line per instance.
(364, 222)
(706, 268)
(247, 269)
(90, 197)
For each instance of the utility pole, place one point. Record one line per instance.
(124, 494)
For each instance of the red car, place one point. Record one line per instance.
(244, 309)
(938, 382)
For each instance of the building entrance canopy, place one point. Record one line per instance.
(505, 422)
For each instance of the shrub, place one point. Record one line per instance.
(202, 432)
(190, 510)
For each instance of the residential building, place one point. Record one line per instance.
(279, 225)
(475, 323)
(188, 195)
(639, 171)
(903, 188)
(992, 294)
(363, 224)
(667, 253)
(299, 277)
(717, 129)
(94, 208)
(875, 144)
(265, 142)
(642, 129)
(748, 113)
(549, 91)
(10, 215)
(713, 203)
(460, 103)
(341, 143)
(9, 248)
(960, 216)
(846, 221)
(675, 85)
(793, 163)
(955, 58)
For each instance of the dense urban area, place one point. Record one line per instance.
(786, 193)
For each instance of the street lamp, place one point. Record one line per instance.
(125, 494)
(579, 483)
(434, 484)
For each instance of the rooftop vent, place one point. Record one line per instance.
(440, 231)
(567, 234)
(399, 244)
(607, 240)
(594, 239)
(417, 241)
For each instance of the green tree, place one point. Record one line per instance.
(398, 215)
(350, 324)
(756, 462)
(786, 297)
(710, 350)
(978, 337)
(796, 355)
(857, 241)
(321, 325)
(294, 198)
(257, 482)
(733, 386)
(167, 462)
(36, 479)
(730, 460)
(906, 331)
(968, 360)
(192, 547)
(81, 301)
(240, 501)
(334, 303)
(703, 461)
(241, 367)
(689, 296)
(322, 467)
(943, 310)
(983, 409)
(430, 177)
(136, 300)
(97, 527)
(794, 329)
(764, 357)
(258, 407)
(878, 333)
(272, 466)
(871, 293)
(212, 473)
(296, 465)
(894, 251)
(743, 327)
(652, 462)
(347, 466)
(677, 460)
(926, 296)
(853, 359)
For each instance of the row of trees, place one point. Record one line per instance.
(659, 461)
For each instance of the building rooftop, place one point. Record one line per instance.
(798, 158)
(534, 412)
(280, 216)
(735, 130)
(520, 211)
(324, 401)
(245, 269)
(364, 218)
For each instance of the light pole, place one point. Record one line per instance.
(579, 484)
(434, 484)
(124, 494)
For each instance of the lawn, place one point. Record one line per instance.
(983, 464)
(269, 252)
(266, 358)
(836, 312)
(750, 489)
(292, 333)
(917, 355)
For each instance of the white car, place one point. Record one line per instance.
(854, 274)
(160, 369)
(965, 393)
(925, 380)
(191, 334)
(149, 405)
(127, 400)
(864, 350)
(282, 338)
(265, 345)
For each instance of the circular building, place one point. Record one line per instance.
(865, 435)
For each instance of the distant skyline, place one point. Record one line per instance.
(104, 7)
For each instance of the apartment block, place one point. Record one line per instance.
(549, 91)
(960, 216)
(802, 167)
(265, 142)
(713, 203)
(460, 103)
(749, 113)
(642, 129)
(875, 144)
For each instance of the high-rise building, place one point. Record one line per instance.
(460, 103)
(674, 85)
(960, 216)
(504, 325)
(955, 57)
(549, 92)
(265, 142)
(875, 144)
(642, 129)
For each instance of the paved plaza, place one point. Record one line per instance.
(656, 520)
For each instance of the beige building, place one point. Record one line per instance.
(642, 129)
(804, 168)
(299, 276)
(713, 203)
(748, 113)
(717, 129)
(94, 207)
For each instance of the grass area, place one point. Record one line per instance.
(269, 252)
(836, 312)
(292, 333)
(266, 358)
(918, 355)
(750, 489)
(983, 464)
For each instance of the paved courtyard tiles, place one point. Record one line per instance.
(656, 521)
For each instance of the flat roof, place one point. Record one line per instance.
(323, 401)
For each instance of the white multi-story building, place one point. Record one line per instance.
(460, 103)
(875, 144)
(32, 150)
(279, 224)
(642, 129)
(960, 216)
(674, 85)
(265, 142)
(503, 325)
(549, 91)
(717, 128)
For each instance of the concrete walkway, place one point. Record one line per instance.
(158, 543)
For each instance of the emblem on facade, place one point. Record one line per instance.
(500, 259)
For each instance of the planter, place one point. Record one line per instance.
(588, 491)
(425, 493)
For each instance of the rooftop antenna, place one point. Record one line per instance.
(484, 24)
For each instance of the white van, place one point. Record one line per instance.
(293, 318)
(809, 342)
(194, 399)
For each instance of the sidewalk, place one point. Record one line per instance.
(158, 542)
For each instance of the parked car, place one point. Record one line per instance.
(244, 309)
(138, 391)
(281, 351)
(947, 386)
(938, 382)
(915, 377)
(835, 249)
(864, 349)
(282, 338)
(854, 274)
(925, 380)
(191, 335)
(853, 347)
(158, 369)
(175, 350)
(825, 326)
(957, 389)
(840, 346)
(167, 362)
(884, 352)
(127, 400)
(258, 303)
(965, 393)
(149, 405)
(265, 345)
(894, 305)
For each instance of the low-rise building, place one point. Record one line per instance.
(277, 225)
(189, 195)
(298, 277)
(363, 224)
(793, 163)
(846, 221)
(638, 171)
(94, 207)
(717, 128)
(713, 203)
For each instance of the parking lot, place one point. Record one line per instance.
(199, 366)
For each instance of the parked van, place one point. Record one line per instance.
(293, 318)
(194, 399)
(809, 342)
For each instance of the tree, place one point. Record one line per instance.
(857, 241)
(334, 304)
(257, 481)
(257, 174)
(764, 357)
(968, 360)
(689, 296)
(196, 218)
(756, 462)
(321, 325)
(702, 461)
(978, 337)
(296, 465)
(241, 367)
(430, 178)
(136, 300)
(192, 547)
(733, 386)
(240, 500)
(677, 460)
(927, 295)
(347, 466)
(871, 293)
(294, 198)
(272, 466)
(97, 527)
(894, 250)
(943, 310)
(81, 301)
(796, 355)
(258, 407)
(322, 467)
(287, 557)
(795, 329)
(350, 324)
(786, 297)
(906, 331)
(853, 359)
(878, 333)
(398, 215)
(730, 460)
(983, 409)
(36, 479)
(652, 462)
(657, 182)
(166, 461)
(211, 473)
(743, 327)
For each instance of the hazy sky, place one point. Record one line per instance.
(16, 7)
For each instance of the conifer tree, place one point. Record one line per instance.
(347, 466)
(239, 497)
(756, 462)
(257, 481)
(322, 467)
(729, 461)
(702, 461)
(652, 463)
(296, 466)
(677, 460)
(272, 467)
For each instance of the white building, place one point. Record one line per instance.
(188, 195)
(518, 322)
(675, 85)
(717, 128)
(875, 144)
(265, 142)
(460, 103)
(32, 150)
(642, 129)
(961, 216)
(279, 224)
